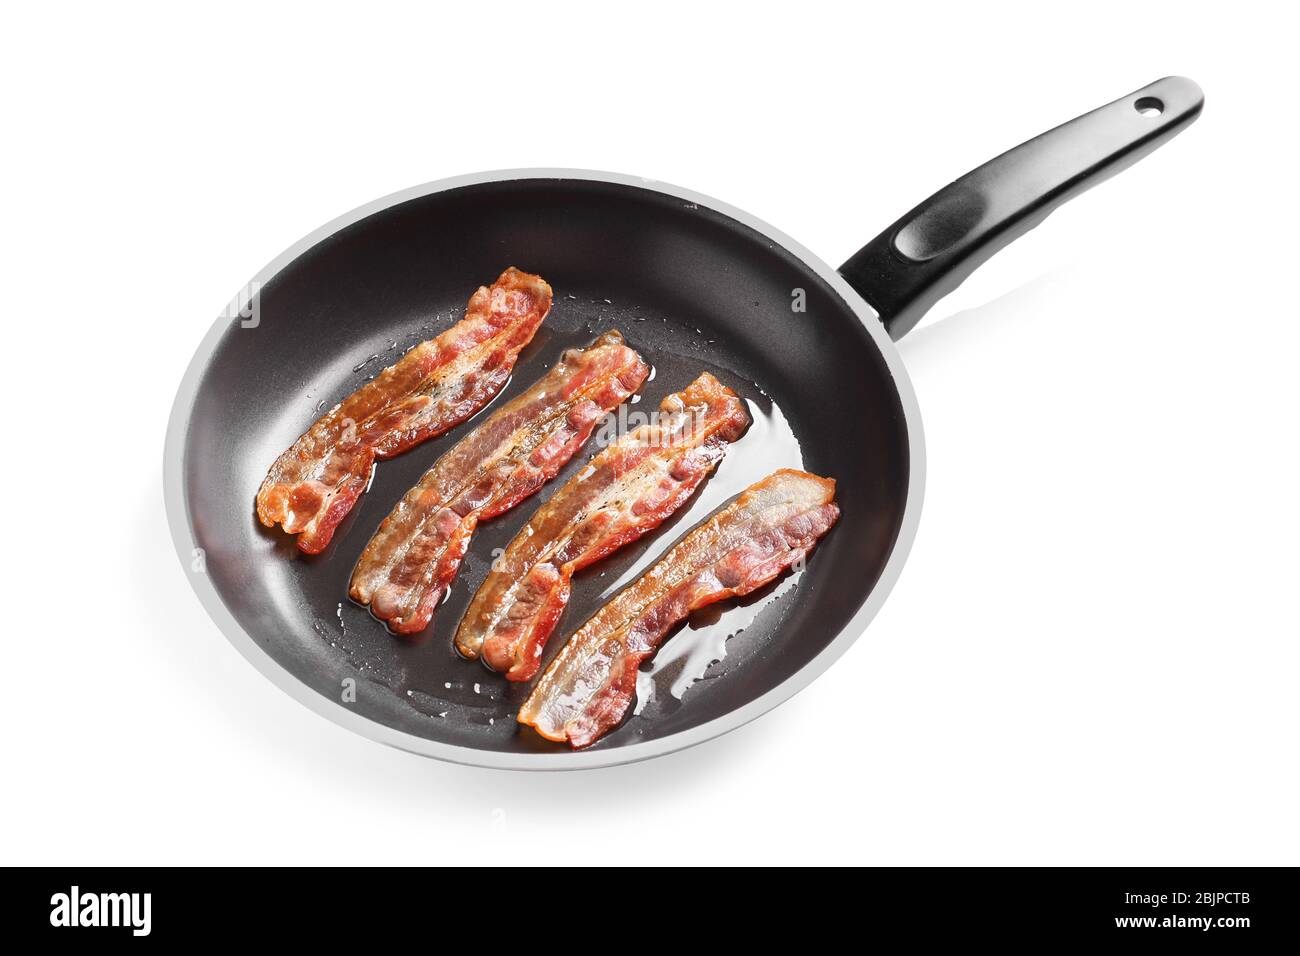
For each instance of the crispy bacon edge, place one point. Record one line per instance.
(411, 560)
(435, 386)
(590, 685)
(629, 488)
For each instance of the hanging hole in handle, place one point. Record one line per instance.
(1149, 106)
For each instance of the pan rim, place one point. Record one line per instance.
(184, 540)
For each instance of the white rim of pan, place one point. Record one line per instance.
(184, 540)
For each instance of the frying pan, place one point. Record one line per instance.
(694, 284)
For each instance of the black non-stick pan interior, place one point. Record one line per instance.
(689, 287)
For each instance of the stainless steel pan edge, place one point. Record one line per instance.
(183, 537)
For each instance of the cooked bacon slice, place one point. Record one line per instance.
(589, 686)
(413, 557)
(436, 385)
(629, 488)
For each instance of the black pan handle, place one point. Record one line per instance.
(930, 251)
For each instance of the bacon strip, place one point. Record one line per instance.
(590, 685)
(436, 385)
(628, 489)
(413, 557)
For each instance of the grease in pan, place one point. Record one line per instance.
(773, 524)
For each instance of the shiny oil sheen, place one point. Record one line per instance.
(692, 290)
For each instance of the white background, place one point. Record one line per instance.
(1091, 656)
